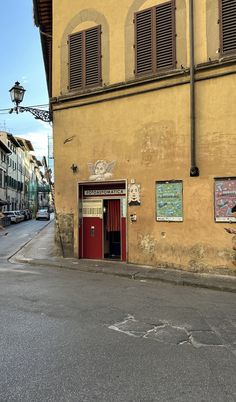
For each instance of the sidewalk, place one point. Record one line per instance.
(41, 250)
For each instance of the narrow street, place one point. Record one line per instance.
(76, 336)
(13, 237)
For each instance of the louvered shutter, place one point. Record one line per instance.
(155, 42)
(76, 61)
(165, 36)
(143, 42)
(228, 26)
(93, 56)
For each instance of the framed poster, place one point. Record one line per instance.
(169, 201)
(225, 199)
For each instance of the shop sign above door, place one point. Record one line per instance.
(113, 191)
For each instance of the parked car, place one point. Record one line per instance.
(43, 214)
(15, 217)
(22, 217)
(27, 214)
(23, 212)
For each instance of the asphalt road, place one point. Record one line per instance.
(73, 336)
(13, 237)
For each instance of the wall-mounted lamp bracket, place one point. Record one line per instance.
(74, 168)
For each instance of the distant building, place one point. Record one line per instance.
(20, 175)
(5, 151)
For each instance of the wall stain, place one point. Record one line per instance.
(146, 243)
(66, 225)
(198, 258)
(158, 141)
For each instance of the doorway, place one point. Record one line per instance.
(102, 220)
(112, 229)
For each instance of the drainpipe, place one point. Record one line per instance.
(194, 171)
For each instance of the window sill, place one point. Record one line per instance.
(119, 86)
(224, 60)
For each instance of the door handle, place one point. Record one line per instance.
(92, 231)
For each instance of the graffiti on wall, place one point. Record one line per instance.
(101, 170)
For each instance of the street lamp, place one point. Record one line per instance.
(17, 94)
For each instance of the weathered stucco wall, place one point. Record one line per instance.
(64, 233)
(150, 142)
(148, 136)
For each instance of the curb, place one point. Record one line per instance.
(175, 278)
(8, 257)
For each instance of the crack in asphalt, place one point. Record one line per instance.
(167, 333)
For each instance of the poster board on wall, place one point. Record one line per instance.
(225, 199)
(169, 201)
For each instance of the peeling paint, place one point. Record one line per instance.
(160, 253)
(147, 243)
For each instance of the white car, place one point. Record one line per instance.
(15, 218)
(20, 215)
(43, 214)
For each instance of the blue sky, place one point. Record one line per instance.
(22, 60)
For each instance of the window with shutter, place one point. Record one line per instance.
(155, 39)
(228, 27)
(144, 51)
(76, 61)
(85, 59)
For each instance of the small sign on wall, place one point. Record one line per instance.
(134, 194)
(169, 201)
(225, 199)
(92, 209)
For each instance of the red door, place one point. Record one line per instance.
(92, 238)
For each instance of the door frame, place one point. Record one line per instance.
(109, 184)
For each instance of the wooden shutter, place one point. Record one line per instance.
(93, 56)
(228, 26)
(155, 41)
(143, 42)
(165, 36)
(76, 61)
(85, 59)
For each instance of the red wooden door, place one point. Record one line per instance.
(92, 238)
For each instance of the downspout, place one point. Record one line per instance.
(194, 171)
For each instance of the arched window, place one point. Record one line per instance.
(85, 59)
(84, 41)
(155, 35)
(155, 43)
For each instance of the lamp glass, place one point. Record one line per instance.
(17, 93)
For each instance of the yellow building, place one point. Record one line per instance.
(143, 100)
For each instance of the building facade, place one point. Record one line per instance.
(20, 175)
(5, 152)
(144, 128)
